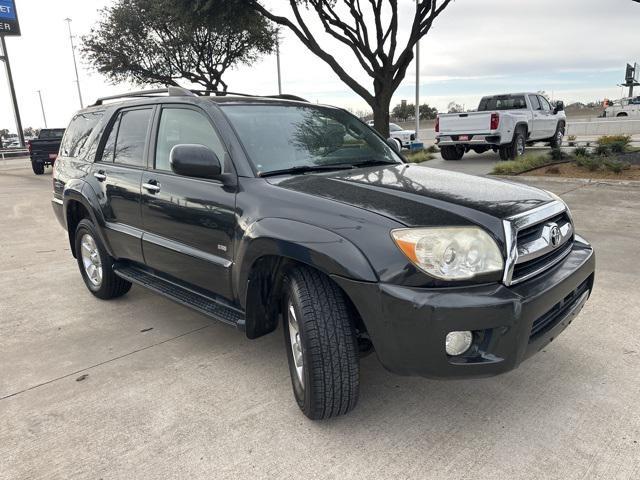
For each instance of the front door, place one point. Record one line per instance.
(116, 177)
(189, 223)
(550, 119)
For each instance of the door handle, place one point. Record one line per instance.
(100, 175)
(151, 186)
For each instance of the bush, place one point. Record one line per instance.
(590, 163)
(581, 152)
(523, 164)
(616, 166)
(618, 147)
(572, 138)
(602, 150)
(433, 149)
(611, 139)
(419, 156)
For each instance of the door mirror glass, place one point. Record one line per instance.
(195, 161)
(393, 143)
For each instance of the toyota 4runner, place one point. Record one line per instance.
(259, 210)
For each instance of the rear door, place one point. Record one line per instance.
(116, 176)
(189, 223)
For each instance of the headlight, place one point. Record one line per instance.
(452, 253)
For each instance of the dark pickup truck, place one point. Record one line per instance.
(260, 211)
(44, 149)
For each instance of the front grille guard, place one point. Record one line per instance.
(513, 225)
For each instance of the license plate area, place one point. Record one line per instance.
(463, 138)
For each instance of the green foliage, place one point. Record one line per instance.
(523, 164)
(164, 41)
(614, 139)
(602, 150)
(403, 111)
(419, 156)
(433, 149)
(581, 152)
(616, 166)
(590, 163)
(427, 112)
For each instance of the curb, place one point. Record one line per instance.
(586, 181)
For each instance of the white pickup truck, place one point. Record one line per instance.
(627, 107)
(502, 123)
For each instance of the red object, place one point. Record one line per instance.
(437, 124)
(495, 121)
(29, 146)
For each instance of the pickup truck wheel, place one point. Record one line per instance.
(556, 141)
(451, 152)
(516, 148)
(38, 167)
(321, 345)
(96, 266)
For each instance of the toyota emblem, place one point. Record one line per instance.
(555, 235)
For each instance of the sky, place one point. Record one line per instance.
(575, 50)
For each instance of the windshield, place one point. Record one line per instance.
(502, 102)
(281, 137)
(394, 128)
(55, 133)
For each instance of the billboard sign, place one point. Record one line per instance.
(8, 18)
(636, 75)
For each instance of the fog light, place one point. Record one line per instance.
(458, 342)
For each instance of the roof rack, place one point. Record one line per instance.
(183, 92)
(171, 91)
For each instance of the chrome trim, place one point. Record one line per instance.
(547, 266)
(151, 187)
(57, 200)
(185, 249)
(514, 224)
(542, 245)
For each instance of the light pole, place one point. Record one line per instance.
(75, 65)
(4, 56)
(417, 80)
(44, 117)
(278, 61)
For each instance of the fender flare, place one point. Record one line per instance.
(308, 244)
(81, 192)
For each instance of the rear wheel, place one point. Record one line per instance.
(96, 266)
(321, 345)
(622, 115)
(452, 152)
(516, 148)
(38, 167)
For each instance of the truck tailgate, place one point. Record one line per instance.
(463, 123)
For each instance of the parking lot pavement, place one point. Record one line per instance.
(87, 390)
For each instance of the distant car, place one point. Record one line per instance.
(400, 135)
(44, 149)
(627, 107)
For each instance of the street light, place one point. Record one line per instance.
(278, 60)
(44, 117)
(75, 65)
(417, 80)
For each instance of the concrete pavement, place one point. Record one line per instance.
(142, 388)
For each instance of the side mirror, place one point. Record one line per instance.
(559, 107)
(195, 161)
(393, 143)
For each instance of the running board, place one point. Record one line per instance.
(209, 306)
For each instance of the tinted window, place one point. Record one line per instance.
(545, 104)
(110, 145)
(76, 136)
(132, 137)
(52, 133)
(535, 103)
(502, 102)
(278, 137)
(184, 126)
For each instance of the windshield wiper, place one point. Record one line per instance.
(306, 169)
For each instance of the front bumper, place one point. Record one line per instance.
(408, 326)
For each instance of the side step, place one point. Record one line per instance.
(209, 306)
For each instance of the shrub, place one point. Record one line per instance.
(523, 164)
(419, 156)
(602, 150)
(433, 149)
(618, 147)
(611, 139)
(581, 152)
(572, 138)
(616, 166)
(590, 163)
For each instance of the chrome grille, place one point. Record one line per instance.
(536, 241)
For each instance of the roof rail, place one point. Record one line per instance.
(171, 91)
(223, 93)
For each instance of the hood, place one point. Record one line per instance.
(416, 195)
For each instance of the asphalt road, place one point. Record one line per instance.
(142, 388)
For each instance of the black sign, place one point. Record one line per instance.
(631, 71)
(9, 24)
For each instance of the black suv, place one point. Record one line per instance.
(250, 209)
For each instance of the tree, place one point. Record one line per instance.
(158, 42)
(375, 45)
(403, 111)
(427, 112)
(454, 107)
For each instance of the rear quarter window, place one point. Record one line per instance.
(74, 143)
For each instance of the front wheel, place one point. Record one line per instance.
(556, 141)
(321, 345)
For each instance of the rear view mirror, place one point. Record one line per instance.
(393, 143)
(559, 107)
(195, 161)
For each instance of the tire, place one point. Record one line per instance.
(90, 252)
(516, 148)
(451, 152)
(38, 167)
(556, 141)
(319, 327)
(622, 115)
